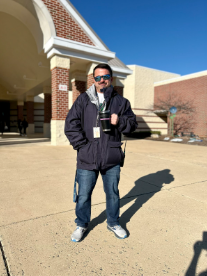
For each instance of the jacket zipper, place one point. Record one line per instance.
(106, 142)
(97, 116)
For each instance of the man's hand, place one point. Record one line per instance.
(114, 119)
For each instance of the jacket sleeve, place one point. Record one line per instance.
(127, 120)
(73, 127)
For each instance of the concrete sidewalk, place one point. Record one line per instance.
(13, 138)
(163, 208)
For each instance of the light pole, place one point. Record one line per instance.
(173, 110)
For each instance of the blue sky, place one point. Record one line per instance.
(169, 35)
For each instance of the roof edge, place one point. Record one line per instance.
(182, 78)
(154, 69)
(84, 25)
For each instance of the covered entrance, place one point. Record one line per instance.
(25, 69)
(48, 49)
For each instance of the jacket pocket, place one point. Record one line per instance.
(114, 153)
(85, 154)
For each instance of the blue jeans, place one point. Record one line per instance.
(86, 183)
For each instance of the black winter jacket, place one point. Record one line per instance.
(104, 152)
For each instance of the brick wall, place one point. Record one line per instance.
(20, 109)
(47, 108)
(65, 26)
(194, 90)
(30, 112)
(59, 98)
(89, 80)
(78, 87)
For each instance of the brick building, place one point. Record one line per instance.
(146, 86)
(48, 48)
(192, 88)
(139, 89)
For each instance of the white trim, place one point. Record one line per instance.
(80, 55)
(182, 78)
(121, 70)
(119, 75)
(45, 20)
(153, 69)
(74, 13)
(70, 48)
(63, 43)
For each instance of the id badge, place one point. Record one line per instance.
(96, 132)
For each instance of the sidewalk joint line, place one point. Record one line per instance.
(49, 215)
(134, 196)
(28, 178)
(171, 160)
(4, 259)
(186, 185)
(26, 220)
(189, 197)
(154, 192)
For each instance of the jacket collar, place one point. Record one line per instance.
(92, 94)
(108, 93)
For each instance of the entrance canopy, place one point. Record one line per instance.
(39, 37)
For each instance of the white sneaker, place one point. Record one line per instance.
(119, 232)
(78, 234)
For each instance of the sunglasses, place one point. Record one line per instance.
(105, 77)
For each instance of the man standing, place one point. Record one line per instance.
(98, 151)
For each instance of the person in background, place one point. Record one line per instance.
(19, 123)
(2, 123)
(2, 127)
(25, 125)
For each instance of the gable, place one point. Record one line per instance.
(65, 25)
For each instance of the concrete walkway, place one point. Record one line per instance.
(163, 207)
(14, 139)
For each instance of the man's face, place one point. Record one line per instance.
(102, 83)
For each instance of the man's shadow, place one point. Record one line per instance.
(199, 246)
(145, 188)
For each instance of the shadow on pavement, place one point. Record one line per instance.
(198, 247)
(145, 187)
(15, 138)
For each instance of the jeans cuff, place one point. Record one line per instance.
(83, 226)
(112, 224)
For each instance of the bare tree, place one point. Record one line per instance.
(183, 105)
(184, 121)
